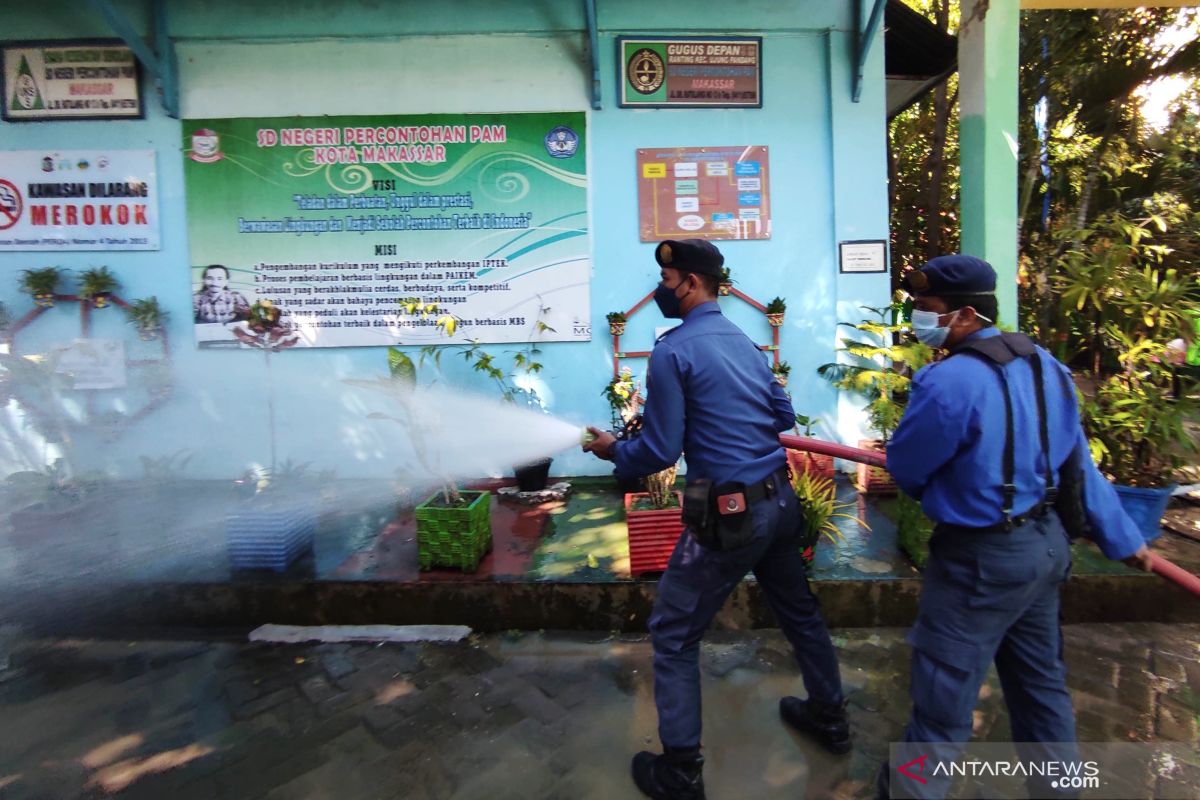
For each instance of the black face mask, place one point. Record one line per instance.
(668, 302)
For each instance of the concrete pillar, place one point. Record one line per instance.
(988, 59)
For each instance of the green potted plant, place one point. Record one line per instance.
(42, 284)
(1138, 429)
(148, 317)
(654, 522)
(97, 285)
(800, 461)
(453, 526)
(781, 371)
(726, 283)
(1122, 308)
(879, 365)
(775, 310)
(820, 510)
(616, 322)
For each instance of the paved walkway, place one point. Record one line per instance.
(516, 716)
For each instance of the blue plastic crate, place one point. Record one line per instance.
(270, 537)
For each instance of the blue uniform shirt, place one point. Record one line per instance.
(948, 450)
(711, 395)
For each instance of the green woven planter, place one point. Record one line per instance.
(454, 537)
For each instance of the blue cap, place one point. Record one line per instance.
(951, 275)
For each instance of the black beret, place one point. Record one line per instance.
(691, 255)
(951, 275)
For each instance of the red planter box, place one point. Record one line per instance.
(652, 535)
(801, 462)
(874, 480)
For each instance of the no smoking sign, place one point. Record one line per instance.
(11, 204)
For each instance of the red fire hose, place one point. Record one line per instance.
(1161, 566)
(833, 449)
(1175, 573)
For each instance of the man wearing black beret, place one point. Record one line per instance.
(712, 396)
(991, 446)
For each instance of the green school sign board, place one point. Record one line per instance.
(335, 220)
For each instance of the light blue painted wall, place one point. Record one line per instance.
(827, 165)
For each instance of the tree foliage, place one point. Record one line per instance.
(923, 172)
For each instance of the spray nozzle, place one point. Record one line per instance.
(587, 437)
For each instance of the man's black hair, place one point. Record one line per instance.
(985, 304)
(711, 283)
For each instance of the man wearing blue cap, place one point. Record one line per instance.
(712, 396)
(991, 445)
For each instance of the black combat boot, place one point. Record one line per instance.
(675, 775)
(827, 724)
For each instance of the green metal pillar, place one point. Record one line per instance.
(988, 60)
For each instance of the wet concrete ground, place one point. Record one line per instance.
(537, 715)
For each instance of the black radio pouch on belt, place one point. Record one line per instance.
(735, 524)
(718, 516)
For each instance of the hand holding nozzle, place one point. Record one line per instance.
(599, 443)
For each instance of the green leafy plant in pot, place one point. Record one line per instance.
(623, 394)
(1123, 307)
(819, 511)
(725, 287)
(148, 317)
(96, 285)
(775, 311)
(654, 522)
(453, 525)
(512, 376)
(781, 372)
(42, 284)
(879, 365)
(1137, 430)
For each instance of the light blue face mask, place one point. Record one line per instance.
(926, 329)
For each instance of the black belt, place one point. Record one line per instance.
(1037, 512)
(767, 487)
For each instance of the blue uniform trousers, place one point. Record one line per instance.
(991, 597)
(692, 591)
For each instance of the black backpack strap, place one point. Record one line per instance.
(1039, 383)
(1009, 490)
(1000, 351)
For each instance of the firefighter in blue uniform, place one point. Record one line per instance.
(712, 396)
(988, 454)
